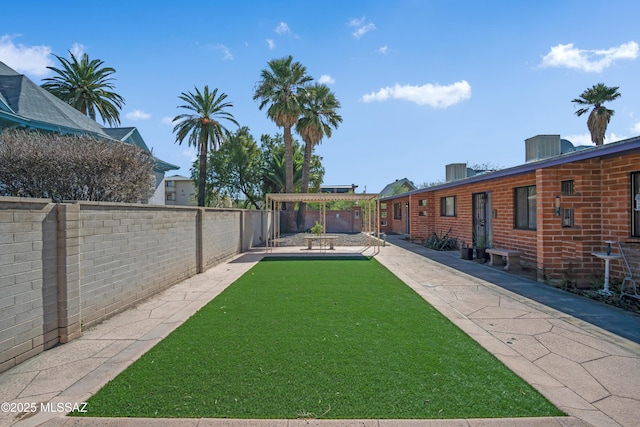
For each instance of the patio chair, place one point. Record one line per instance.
(631, 259)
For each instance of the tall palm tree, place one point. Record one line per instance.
(87, 87)
(600, 115)
(202, 127)
(319, 117)
(279, 89)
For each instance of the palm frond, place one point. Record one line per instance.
(599, 115)
(87, 86)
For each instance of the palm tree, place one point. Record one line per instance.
(203, 127)
(600, 115)
(274, 173)
(319, 116)
(87, 87)
(279, 88)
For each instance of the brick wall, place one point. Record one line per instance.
(67, 266)
(601, 204)
(337, 221)
(395, 225)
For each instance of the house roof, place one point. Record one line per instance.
(626, 146)
(28, 105)
(177, 178)
(25, 104)
(130, 135)
(390, 188)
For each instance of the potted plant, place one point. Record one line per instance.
(316, 229)
(480, 246)
(467, 252)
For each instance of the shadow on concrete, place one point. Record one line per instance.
(613, 319)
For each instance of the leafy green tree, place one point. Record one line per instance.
(237, 168)
(319, 117)
(86, 86)
(279, 89)
(600, 115)
(202, 127)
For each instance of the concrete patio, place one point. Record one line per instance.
(591, 374)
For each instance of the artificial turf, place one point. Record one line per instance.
(318, 339)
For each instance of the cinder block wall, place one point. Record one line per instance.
(221, 235)
(28, 279)
(129, 252)
(67, 266)
(256, 224)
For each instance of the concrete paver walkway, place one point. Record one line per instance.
(591, 374)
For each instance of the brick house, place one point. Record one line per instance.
(557, 208)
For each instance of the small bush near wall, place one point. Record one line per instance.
(73, 167)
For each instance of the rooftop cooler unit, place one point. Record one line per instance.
(542, 147)
(456, 171)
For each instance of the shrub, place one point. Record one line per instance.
(73, 167)
(442, 243)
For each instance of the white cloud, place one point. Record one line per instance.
(579, 139)
(585, 138)
(271, 44)
(138, 115)
(636, 128)
(435, 96)
(78, 50)
(383, 50)
(363, 30)
(227, 55)
(282, 28)
(565, 55)
(326, 79)
(356, 22)
(613, 137)
(32, 60)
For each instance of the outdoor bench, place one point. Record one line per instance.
(322, 239)
(498, 257)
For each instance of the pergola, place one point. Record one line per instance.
(370, 212)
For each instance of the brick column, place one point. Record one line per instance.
(199, 243)
(69, 309)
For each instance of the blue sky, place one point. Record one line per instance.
(421, 83)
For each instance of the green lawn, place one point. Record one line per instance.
(323, 338)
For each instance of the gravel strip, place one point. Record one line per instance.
(344, 239)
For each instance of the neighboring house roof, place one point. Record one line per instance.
(390, 189)
(28, 105)
(338, 188)
(24, 104)
(177, 178)
(129, 135)
(626, 146)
